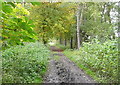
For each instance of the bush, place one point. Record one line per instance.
(101, 58)
(24, 64)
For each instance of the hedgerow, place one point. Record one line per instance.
(24, 64)
(99, 58)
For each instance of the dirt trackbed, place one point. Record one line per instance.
(65, 71)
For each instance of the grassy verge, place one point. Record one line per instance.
(72, 55)
(63, 47)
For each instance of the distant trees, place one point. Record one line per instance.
(70, 23)
(52, 20)
(73, 22)
(94, 21)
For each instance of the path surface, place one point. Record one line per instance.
(65, 71)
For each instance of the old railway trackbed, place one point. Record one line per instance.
(64, 70)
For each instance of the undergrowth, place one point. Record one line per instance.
(24, 64)
(99, 60)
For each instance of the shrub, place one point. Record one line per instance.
(101, 58)
(24, 64)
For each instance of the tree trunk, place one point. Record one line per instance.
(102, 14)
(78, 28)
(108, 12)
(79, 20)
(71, 42)
(44, 41)
(75, 44)
(60, 40)
(43, 37)
(23, 3)
(65, 42)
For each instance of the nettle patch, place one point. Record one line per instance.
(24, 64)
(100, 58)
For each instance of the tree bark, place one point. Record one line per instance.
(79, 20)
(43, 37)
(60, 40)
(108, 12)
(75, 39)
(65, 42)
(71, 42)
(102, 14)
(78, 28)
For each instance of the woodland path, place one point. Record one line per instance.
(64, 70)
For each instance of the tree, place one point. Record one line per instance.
(79, 22)
(95, 22)
(52, 20)
(16, 27)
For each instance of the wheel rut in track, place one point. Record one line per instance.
(64, 70)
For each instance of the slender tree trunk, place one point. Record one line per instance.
(71, 42)
(108, 12)
(65, 41)
(79, 20)
(43, 38)
(78, 28)
(44, 41)
(102, 14)
(60, 40)
(119, 40)
(75, 45)
(23, 3)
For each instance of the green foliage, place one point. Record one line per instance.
(52, 20)
(100, 58)
(97, 22)
(7, 8)
(24, 64)
(16, 26)
(35, 3)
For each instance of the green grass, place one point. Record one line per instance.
(84, 68)
(63, 47)
(73, 55)
(88, 71)
(56, 57)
